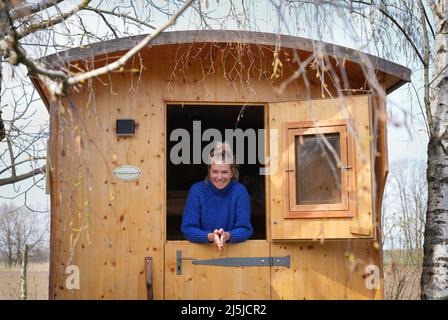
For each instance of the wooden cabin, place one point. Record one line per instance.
(117, 199)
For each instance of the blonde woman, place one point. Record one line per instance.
(218, 209)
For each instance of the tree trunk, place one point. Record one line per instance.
(435, 262)
(434, 280)
(10, 256)
(2, 32)
(23, 281)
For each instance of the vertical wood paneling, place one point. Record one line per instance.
(120, 223)
(216, 282)
(332, 270)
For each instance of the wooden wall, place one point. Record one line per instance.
(107, 227)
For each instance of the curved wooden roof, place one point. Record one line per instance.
(397, 74)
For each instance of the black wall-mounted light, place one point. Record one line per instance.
(125, 127)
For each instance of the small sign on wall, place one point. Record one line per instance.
(125, 127)
(127, 173)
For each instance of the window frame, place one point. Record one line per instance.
(347, 156)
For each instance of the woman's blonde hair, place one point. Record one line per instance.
(222, 153)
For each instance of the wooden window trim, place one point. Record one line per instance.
(292, 161)
(342, 210)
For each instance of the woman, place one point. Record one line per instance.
(218, 208)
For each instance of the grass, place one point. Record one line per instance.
(402, 272)
(38, 281)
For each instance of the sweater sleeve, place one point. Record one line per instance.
(191, 226)
(243, 228)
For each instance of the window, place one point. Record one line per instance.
(320, 173)
(180, 177)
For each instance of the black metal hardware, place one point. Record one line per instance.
(179, 262)
(237, 262)
(149, 286)
(246, 262)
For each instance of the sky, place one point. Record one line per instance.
(406, 136)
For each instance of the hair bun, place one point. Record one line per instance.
(222, 147)
(222, 152)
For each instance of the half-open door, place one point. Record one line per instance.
(323, 186)
(202, 271)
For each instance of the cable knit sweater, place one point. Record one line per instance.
(208, 208)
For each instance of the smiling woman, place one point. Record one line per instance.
(218, 209)
(192, 134)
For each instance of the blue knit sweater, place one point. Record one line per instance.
(208, 208)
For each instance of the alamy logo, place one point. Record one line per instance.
(372, 277)
(72, 281)
(250, 140)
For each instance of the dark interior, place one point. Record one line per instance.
(181, 177)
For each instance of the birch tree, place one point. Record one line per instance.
(435, 266)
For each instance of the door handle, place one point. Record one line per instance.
(149, 284)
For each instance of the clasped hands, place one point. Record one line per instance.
(220, 237)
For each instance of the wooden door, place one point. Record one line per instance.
(320, 221)
(185, 280)
(323, 269)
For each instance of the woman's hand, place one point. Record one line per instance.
(223, 237)
(220, 237)
(215, 237)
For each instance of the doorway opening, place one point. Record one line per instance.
(185, 169)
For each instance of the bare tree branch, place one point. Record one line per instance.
(120, 15)
(51, 22)
(121, 62)
(31, 8)
(399, 26)
(426, 69)
(21, 162)
(21, 177)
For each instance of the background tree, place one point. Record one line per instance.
(403, 227)
(20, 227)
(25, 141)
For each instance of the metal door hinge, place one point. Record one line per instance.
(237, 262)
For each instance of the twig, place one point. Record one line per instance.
(29, 9)
(120, 62)
(120, 15)
(51, 22)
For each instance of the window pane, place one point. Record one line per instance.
(318, 178)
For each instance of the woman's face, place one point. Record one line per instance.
(220, 174)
